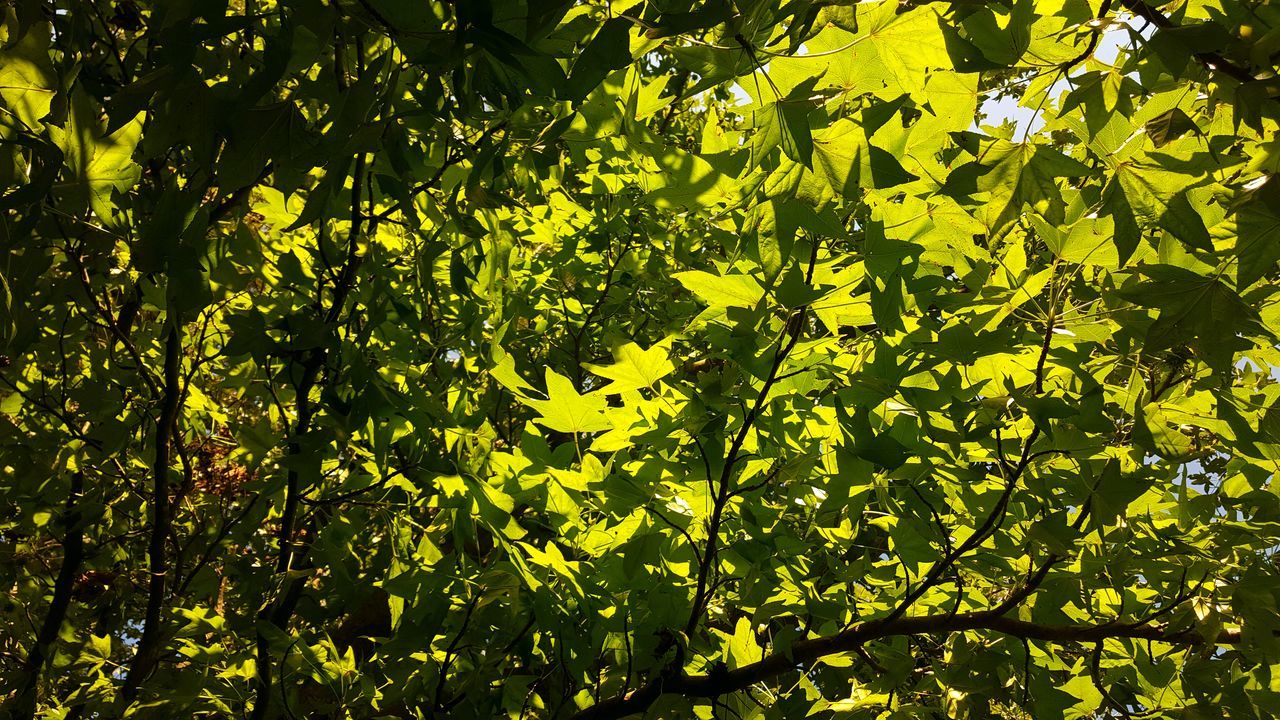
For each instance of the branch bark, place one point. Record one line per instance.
(1093, 40)
(280, 611)
(1213, 62)
(24, 702)
(795, 323)
(806, 652)
(148, 650)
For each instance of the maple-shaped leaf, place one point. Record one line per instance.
(741, 648)
(504, 371)
(1102, 98)
(1088, 241)
(732, 290)
(785, 122)
(635, 368)
(937, 224)
(609, 50)
(1258, 227)
(1195, 310)
(1007, 175)
(1157, 196)
(567, 411)
(28, 80)
(846, 159)
(97, 165)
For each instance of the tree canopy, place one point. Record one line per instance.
(655, 358)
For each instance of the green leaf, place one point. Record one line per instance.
(785, 122)
(685, 179)
(1158, 197)
(609, 50)
(889, 55)
(848, 162)
(794, 292)
(7, 325)
(565, 410)
(1158, 432)
(634, 369)
(28, 81)
(731, 290)
(742, 648)
(268, 133)
(1193, 309)
(1258, 235)
(1089, 241)
(504, 371)
(1005, 176)
(97, 167)
(939, 225)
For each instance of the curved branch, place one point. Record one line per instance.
(795, 323)
(1093, 40)
(279, 611)
(994, 518)
(24, 702)
(806, 652)
(1213, 62)
(149, 645)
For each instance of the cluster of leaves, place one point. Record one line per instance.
(553, 359)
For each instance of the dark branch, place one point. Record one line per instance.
(23, 705)
(1214, 62)
(148, 651)
(795, 323)
(806, 652)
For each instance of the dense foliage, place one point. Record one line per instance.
(553, 359)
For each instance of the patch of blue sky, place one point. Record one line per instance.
(1119, 36)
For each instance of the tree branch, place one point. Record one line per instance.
(281, 609)
(1096, 31)
(996, 516)
(148, 650)
(805, 652)
(795, 323)
(112, 324)
(23, 705)
(1214, 62)
(591, 313)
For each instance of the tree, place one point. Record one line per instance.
(386, 359)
